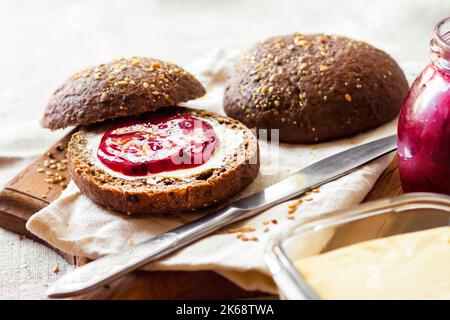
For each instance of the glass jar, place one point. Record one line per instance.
(424, 122)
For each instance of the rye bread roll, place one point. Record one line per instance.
(315, 87)
(120, 88)
(166, 195)
(136, 90)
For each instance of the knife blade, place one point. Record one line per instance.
(106, 269)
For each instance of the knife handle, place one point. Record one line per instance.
(114, 266)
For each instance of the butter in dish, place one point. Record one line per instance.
(397, 248)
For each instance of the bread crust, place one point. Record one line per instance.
(122, 87)
(170, 195)
(314, 87)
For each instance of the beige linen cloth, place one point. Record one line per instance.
(76, 225)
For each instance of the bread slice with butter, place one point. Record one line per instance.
(232, 167)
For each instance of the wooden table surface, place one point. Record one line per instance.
(23, 196)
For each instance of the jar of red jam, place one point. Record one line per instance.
(424, 123)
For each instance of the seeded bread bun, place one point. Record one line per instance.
(122, 87)
(315, 87)
(168, 195)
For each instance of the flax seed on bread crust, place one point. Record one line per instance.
(122, 87)
(170, 195)
(314, 87)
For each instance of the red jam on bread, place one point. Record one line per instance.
(158, 143)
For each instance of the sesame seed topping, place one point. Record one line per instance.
(348, 97)
(122, 83)
(56, 268)
(300, 43)
(303, 66)
(103, 97)
(156, 65)
(241, 230)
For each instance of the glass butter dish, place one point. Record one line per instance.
(377, 250)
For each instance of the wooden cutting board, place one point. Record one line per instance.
(28, 192)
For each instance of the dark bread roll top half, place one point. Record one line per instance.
(122, 87)
(315, 87)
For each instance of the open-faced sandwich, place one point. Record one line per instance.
(136, 151)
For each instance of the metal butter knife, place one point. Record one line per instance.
(111, 267)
